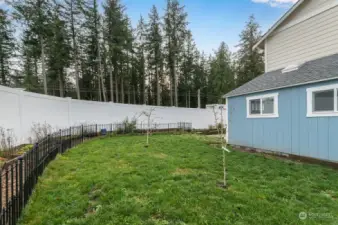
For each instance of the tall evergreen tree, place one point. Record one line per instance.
(6, 47)
(57, 51)
(187, 69)
(141, 62)
(73, 17)
(221, 78)
(117, 36)
(250, 61)
(154, 50)
(36, 15)
(175, 23)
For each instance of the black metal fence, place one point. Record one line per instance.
(19, 176)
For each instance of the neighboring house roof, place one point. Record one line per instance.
(322, 69)
(280, 21)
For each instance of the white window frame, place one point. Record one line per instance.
(310, 91)
(261, 97)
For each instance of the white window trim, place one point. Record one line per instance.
(309, 92)
(261, 97)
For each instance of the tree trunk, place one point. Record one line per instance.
(189, 99)
(100, 77)
(43, 66)
(116, 83)
(61, 84)
(75, 52)
(99, 89)
(111, 83)
(129, 94)
(3, 74)
(134, 95)
(122, 86)
(175, 82)
(199, 98)
(144, 90)
(158, 94)
(186, 100)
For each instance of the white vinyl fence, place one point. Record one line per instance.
(19, 110)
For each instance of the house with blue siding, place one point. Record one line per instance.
(293, 107)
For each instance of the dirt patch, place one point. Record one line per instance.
(180, 171)
(122, 164)
(160, 155)
(141, 200)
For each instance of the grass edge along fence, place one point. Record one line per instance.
(20, 175)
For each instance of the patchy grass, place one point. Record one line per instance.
(174, 181)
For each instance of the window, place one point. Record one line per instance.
(255, 107)
(262, 106)
(322, 101)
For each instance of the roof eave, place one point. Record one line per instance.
(281, 20)
(286, 86)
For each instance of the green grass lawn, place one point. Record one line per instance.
(174, 181)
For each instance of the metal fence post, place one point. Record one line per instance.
(12, 196)
(96, 134)
(36, 161)
(70, 136)
(48, 136)
(21, 201)
(82, 133)
(60, 147)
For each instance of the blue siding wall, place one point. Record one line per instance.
(292, 132)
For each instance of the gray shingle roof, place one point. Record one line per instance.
(310, 72)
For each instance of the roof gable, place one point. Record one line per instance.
(279, 22)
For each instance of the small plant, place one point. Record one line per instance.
(219, 124)
(7, 141)
(40, 131)
(148, 114)
(127, 126)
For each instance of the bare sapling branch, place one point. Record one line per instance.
(148, 114)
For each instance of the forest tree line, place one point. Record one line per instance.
(83, 50)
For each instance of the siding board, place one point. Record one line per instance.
(292, 132)
(310, 39)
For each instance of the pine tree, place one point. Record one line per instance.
(36, 15)
(6, 47)
(93, 77)
(73, 16)
(187, 69)
(118, 39)
(58, 51)
(175, 30)
(250, 61)
(154, 50)
(221, 78)
(141, 64)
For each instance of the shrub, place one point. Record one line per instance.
(40, 131)
(127, 126)
(7, 141)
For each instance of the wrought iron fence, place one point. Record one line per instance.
(20, 175)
